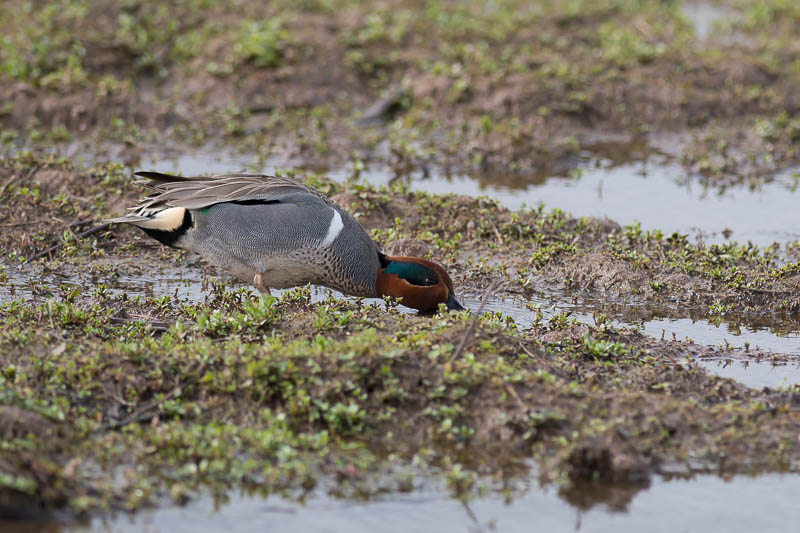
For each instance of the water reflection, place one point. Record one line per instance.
(704, 15)
(624, 180)
(704, 503)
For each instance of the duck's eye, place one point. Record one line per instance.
(424, 281)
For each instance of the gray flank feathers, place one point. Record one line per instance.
(273, 226)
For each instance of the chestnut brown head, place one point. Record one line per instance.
(421, 284)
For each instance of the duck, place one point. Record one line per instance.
(274, 232)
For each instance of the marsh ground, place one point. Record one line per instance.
(123, 389)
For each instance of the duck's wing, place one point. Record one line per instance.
(204, 191)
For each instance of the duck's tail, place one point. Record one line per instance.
(167, 226)
(168, 219)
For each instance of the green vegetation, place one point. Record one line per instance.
(110, 400)
(275, 394)
(511, 87)
(527, 248)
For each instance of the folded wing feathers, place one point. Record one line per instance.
(128, 218)
(203, 191)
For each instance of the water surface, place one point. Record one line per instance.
(766, 503)
(657, 192)
(190, 284)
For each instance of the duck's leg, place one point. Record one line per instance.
(258, 281)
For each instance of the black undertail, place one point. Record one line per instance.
(170, 237)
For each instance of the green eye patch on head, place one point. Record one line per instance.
(414, 273)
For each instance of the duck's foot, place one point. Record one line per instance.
(258, 281)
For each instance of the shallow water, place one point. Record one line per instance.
(657, 196)
(756, 375)
(766, 503)
(656, 192)
(751, 372)
(653, 321)
(704, 15)
(187, 283)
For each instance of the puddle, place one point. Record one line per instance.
(187, 283)
(655, 191)
(658, 196)
(32, 284)
(650, 321)
(704, 503)
(756, 375)
(751, 372)
(704, 16)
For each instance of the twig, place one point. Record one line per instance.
(15, 224)
(612, 282)
(524, 349)
(514, 395)
(767, 291)
(90, 231)
(471, 516)
(383, 107)
(78, 223)
(142, 414)
(471, 328)
(158, 326)
(496, 231)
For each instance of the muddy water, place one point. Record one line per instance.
(187, 283)
(707, 503)
(657, 192)
(656, 195)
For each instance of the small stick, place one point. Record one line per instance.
(15, 224)
(496, 231)
(524, 349)
(90, 231)
(514, 395)
(471, 328)
(142, 414)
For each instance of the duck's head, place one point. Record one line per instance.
(421, 284)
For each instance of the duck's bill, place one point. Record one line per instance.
(453, 305)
